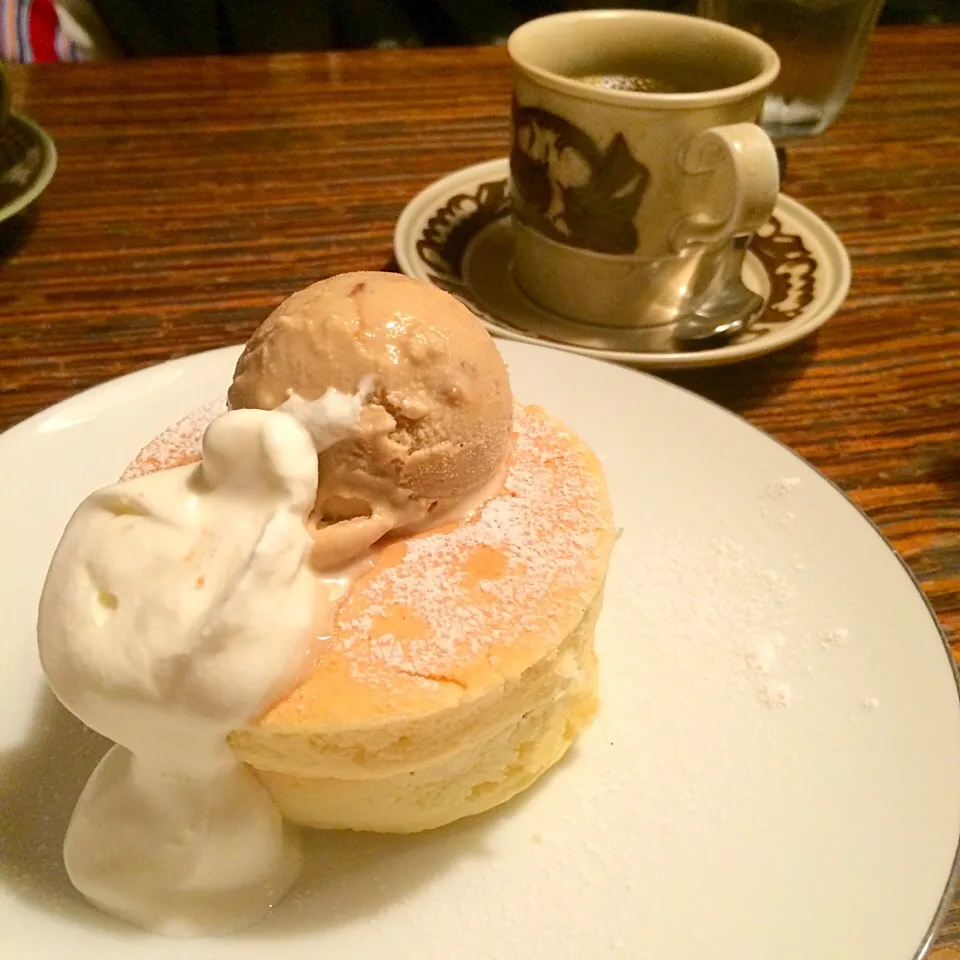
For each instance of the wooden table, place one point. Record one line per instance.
(192, 196)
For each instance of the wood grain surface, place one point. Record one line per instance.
(193, 195)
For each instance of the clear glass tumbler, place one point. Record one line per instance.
(821, 44)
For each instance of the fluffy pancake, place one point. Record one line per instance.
(460, 667)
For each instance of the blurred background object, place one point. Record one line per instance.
(921, 11)
(4, 96)
(821, 45)
(43, 30)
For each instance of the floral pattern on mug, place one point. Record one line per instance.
(569, 188)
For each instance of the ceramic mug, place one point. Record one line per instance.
(624, 200)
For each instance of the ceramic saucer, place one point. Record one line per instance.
(28, 159)
(456, 234)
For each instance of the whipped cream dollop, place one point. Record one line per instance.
(178, 606)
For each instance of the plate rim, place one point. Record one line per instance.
(47, 170)
(28, 426)
(792, 332)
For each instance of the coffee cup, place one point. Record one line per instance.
(636, 159)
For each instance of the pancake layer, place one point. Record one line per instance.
(460, 667)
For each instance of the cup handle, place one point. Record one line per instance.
(752, 180)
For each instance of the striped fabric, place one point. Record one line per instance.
(30, 32)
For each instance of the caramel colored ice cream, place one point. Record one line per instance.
(435, 426)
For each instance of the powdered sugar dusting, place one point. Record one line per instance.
(761, 653)
(835, 637)
(782, 487)
(706, 601)
(500, 577)
(776, 693)
(178, 444)
(507, 574)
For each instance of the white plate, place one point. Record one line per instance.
(775, 770)
(456, 235)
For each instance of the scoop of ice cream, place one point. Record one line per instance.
(438, 411)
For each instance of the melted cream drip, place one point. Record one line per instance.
(336, 544)
(151, 629)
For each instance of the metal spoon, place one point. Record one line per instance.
(729, 307)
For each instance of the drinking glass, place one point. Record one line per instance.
(821, 44)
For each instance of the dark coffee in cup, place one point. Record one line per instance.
(630, 82)
(656, 73)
